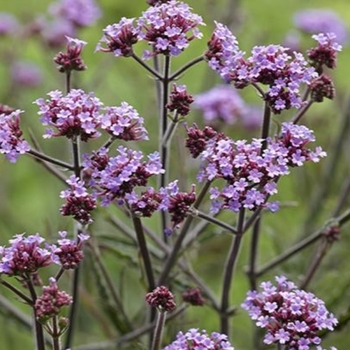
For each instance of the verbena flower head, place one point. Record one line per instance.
(177, 203)
(26, 74)
(8, 24)
(81, 13)
(119, 175)
(124, 122)
(268, 65)
(326, 52)
(221, 103)
(71, 60)
(223, 50)
(12, 144)
(194, 339)
(69, 253)
(193, 296)
(156, 2)
(76, 114)
(51, 301)
(146, 203)
(25, 255)
(161, 298)
(250, 177)
(169, 28)
(180, 100)
(119, 38)
(79, 202)
(322, 87)
(316, 21)
(289, 315)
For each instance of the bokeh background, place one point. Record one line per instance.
(30, 196)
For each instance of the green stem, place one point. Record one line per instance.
(55, 334)
(51, 160)
(301, 112)
(144, 251)
(185, 67)
(17, 292)
(228, 274)
(171, 259)
(147, 67)
(158, 333)
(211, 219)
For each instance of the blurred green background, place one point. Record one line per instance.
(30, 197)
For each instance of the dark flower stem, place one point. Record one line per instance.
(55, 334)
(17, 292)
(147, 67)
(51, 160)
(341, 220)
(170, 131)
(315, 263)
(39, 333)
(253, 255)
(76, 275)
(265, 127)
(163, 124)
(68, 81)
(228, 274)
(144, 251)
(171, 259)
(301, 112)
(211, 219)
(185, 67)
(59, 274)
(158, 332)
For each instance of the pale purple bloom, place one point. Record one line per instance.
(299, 329)
(194, 339)
(81, 13)
(221, 103)
(12, 144)
(55, 32)
(8, 24)
(322, 21)
(26, 74)
(168, 28)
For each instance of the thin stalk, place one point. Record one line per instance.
(158, 333)
(55, 334)
(265, 127)
(49, 159)
(170, 131)
(344, 195)
(171, 259)
(341, 220)
(38, 328)
(147, 67)
(144, 251)
(185, 67)
(163, 124)
(301, 112)
(315, 264)
(68, 81)
(76, 155)
(211, 219)
(13, 289)
(228, 273)
(253, 254)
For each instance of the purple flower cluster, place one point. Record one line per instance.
(123, 122)
(51, 301)
(81, 13)
(180, 100)
(79, 203)
(11, 142)
(8, 23)
(24, 256)
(168, 28)
(116, 176)
(161, 298)
(250, 174)
(326, 51)
(221, 103)
(76, 114)
(223, 50)
(69, 253)
(268, 65)
(291, 316)
(71, 60)
(119, 38)
(26, 74)
(146, 203)
(194, 339)
(315, 21)
(82, 114)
